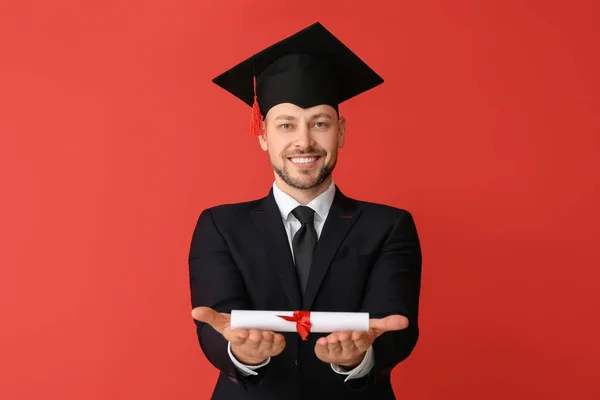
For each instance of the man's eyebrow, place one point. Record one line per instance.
(285, 117)
(321, 115)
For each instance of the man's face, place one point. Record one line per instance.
(303, 143)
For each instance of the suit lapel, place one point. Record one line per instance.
(267, 219)
(343, 214)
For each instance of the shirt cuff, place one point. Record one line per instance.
(244, 369)
(361, 370)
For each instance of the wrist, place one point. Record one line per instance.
(250, 361)
(351, 364)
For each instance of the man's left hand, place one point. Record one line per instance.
(347, 349)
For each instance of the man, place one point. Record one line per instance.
(305, 246)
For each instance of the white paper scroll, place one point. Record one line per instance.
(322, 322)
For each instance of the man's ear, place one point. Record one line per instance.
(342, 132)
(262, 139)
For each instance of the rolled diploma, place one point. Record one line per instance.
(321, 321)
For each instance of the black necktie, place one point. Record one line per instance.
(304, 243)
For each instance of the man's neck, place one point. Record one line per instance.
(303, 196)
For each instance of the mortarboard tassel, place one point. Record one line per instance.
(257, 118)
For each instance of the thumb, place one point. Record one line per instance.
(389, 323)
(211, 317)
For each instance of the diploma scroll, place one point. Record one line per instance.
(303, 322)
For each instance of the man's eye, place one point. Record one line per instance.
(285, 126)
(321, 125)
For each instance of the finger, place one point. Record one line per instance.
(333, 344)
(333, 338)
(322, 342)
(278, 343)
(389, 323)
(204, 314)
(266, 343)
(362, 340)
(279, 339)
(267, 339)
(346, 342)
(344, 336)
(348, 346)
(254, 339)
(211, 317)
(335, 349)
(322, 351)
(238, 336)
(267, 336)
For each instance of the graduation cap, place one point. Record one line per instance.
(309, 68)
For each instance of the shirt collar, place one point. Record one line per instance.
(320, 204)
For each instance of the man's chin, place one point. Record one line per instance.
(304, 179)
(304, 182)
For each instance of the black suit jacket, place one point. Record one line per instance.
(368, 259)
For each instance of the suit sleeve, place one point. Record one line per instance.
(394, 288)
(216, 282)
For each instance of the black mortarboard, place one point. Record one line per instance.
(309, 68)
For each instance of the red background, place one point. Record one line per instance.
(114, 139)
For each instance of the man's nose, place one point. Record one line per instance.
(304, 139)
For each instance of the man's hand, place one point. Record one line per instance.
(250, 347)
(347, 349)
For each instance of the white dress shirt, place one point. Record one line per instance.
(321, 205)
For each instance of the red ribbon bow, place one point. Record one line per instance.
(302, 320)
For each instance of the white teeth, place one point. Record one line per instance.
(303, 160)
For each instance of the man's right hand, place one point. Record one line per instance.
(250, 347)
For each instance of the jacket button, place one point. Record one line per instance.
(296, 362)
